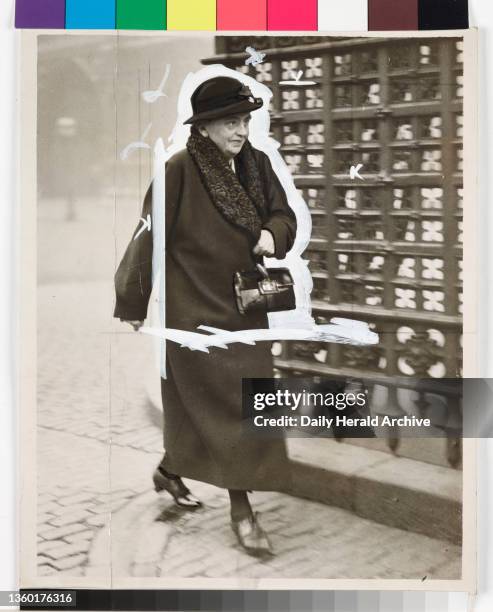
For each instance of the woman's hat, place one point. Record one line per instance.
(222, 97)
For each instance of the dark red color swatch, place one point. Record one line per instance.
(392, 14)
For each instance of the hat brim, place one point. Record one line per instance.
(245, 106)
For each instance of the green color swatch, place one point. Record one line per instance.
(141, 14)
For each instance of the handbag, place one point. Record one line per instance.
(267, 289)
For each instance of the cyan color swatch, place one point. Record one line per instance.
(90, 15)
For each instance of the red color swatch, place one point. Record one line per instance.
(292, 14)
(392, 14)
(241, 14)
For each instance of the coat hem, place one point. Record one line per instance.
(282, 486)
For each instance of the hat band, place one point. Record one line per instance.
(222, 102)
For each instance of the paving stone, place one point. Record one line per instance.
(118, 505)
(80, 536)
(43, 559)
(76, 499)
(56, 533)
(70, 517)
(73, 572)
(45, 517)
(98, 520)
(45, 498)
(46, 507)
(69, 562)
(300, 528)
(64, 510)
(46, 570)
(47, 545)
(451, 569)
(178, 563)
(151, 544)
(68, 550)
(144, 570)
(101, 508)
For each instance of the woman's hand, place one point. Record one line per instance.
(265, 245)
(135, 324)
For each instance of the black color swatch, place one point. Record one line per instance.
(443, 14)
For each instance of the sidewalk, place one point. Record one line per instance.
(99, 440)
(310, 540)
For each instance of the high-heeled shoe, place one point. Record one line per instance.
(252, 537)
(175, 487)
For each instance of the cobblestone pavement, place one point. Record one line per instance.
(99, 439)
(82, 418)
(310, 540)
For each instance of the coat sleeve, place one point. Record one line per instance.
(133, 278)
(282, 220)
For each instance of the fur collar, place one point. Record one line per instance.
(240, 199)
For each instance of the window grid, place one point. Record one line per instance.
(385, 249)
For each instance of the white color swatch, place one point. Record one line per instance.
(346, 15)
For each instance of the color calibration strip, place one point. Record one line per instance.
(299, 15)
(274, 601)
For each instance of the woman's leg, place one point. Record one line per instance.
(246, 527)
(240, 506)
(168, 474)
(175, 487)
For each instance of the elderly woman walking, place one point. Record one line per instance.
(225, 209)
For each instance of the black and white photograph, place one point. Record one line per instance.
(210, 210)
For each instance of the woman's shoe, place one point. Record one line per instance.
(175, 487)
(252, 537)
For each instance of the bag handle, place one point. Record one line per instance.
(262, 270)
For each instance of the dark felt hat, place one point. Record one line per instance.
(222, 97)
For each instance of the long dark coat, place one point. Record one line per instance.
(203, 434)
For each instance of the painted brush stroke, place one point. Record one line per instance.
(342, 331)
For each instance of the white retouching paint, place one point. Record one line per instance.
(296, 324)
(256, 57)
(153, 95)
(342, 331)
(146, 225)
(159, 243)
(347, 16)
(138, 144)
(295, 79)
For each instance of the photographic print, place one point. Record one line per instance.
(201, 212)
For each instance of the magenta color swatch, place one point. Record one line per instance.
(40, 14)
(241, 15)
(292, 14)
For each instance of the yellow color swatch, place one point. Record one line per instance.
(191, 14)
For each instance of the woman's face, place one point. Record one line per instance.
(228, 133)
